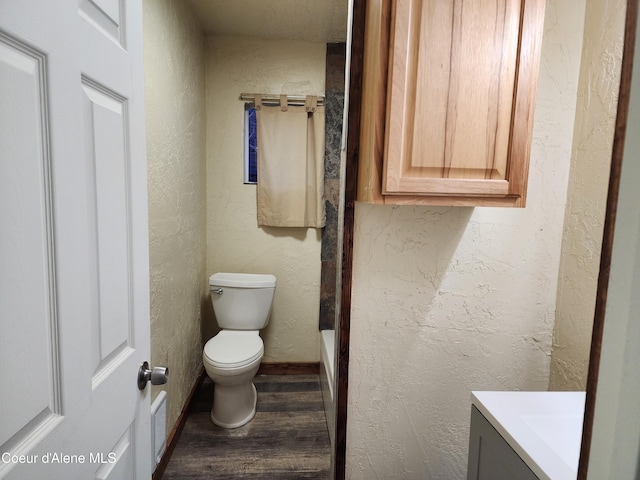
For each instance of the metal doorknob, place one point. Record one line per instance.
(157, 376)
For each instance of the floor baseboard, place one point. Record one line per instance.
(289, 368)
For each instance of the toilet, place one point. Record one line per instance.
(242, 305)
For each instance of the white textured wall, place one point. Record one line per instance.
(238, 65)
(174, 64)
(450, 300)
(587, 194)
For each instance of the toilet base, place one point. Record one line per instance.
(233, 405)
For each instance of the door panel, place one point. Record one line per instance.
(27, 285)
(121, 456)
(104, 138)
(105, 16)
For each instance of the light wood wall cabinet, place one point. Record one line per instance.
(448, 97)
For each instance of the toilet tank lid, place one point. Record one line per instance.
(242, 280)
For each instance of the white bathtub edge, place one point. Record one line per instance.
(328, 342)
(327, 375)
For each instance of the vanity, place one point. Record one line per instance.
(525, 435)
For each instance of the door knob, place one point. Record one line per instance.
(157, 376)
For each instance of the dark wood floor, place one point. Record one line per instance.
(287, 439)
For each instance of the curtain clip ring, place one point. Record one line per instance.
(310, 103)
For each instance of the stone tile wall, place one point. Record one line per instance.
(334, 106)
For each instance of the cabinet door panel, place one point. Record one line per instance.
(460, 93)
(452, 80)
(490, 456)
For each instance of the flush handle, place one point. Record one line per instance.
(217, 290)
(157, 376)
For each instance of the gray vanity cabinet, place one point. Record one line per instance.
(490, 456)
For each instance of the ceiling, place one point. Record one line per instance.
(309, 20)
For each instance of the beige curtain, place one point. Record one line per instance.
(290, 164)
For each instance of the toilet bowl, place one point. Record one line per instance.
(231, 359)
(242, 305)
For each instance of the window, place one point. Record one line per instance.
(250, 145)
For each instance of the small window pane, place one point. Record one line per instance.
(250, 146)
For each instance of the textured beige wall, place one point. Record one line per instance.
(174, 64)
(450, 300)
(587, 194)
(238, 65)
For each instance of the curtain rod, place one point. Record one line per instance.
(275, 99)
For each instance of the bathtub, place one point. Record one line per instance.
(327, 378)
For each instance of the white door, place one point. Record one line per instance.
(74, 302)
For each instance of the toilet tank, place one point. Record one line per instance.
(242, 301)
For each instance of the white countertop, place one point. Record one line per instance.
(544, 428)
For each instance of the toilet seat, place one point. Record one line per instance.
(233, 349)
